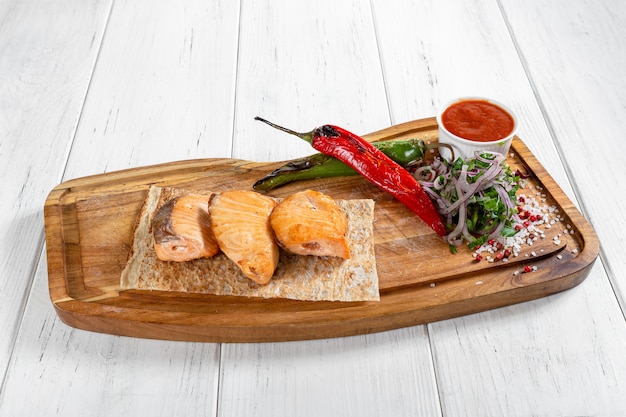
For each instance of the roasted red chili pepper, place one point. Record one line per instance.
(375, 166)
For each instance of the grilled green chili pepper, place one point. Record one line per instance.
(373, 165)
(405, 152)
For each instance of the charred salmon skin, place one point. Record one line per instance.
(182, 230)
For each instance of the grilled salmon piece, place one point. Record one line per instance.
(182, 230)
(240, 223)
(311, 223)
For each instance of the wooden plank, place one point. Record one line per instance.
(578, 77)
(371, 375)
(303, 64)
(89, 230)
(163, 89)
(527, 327)
(460, 50)
(158, 94)
(546, 345)
(56, 370)
(555, 348)
(48, 53)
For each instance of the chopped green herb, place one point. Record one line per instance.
(476, 196)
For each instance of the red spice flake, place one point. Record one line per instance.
(528, 268)
(522, 175)
(478, 257)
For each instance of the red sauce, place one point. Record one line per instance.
(477, 120)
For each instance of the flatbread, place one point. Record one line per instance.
(311, 278)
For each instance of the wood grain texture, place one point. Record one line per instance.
(89, 230)
(163, 89)
(331, 377)
(453, 54)
(585, 104)
(59, 371)
(43, 83)
(144, 95)
(301, 64)
(574, 78)
(548, 353)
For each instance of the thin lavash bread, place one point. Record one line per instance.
(310, 278)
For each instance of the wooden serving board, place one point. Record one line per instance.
(89, 230)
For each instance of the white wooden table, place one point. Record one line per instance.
(90, 87)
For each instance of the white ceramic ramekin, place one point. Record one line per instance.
(466, 148)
